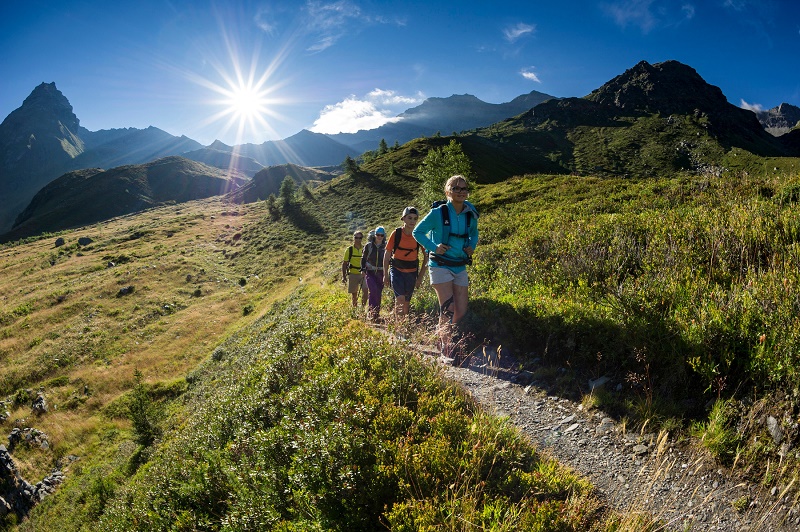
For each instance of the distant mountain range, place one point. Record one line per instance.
(440, 115)
(650, 120)
(43, 139)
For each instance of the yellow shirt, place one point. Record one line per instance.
(354, 258)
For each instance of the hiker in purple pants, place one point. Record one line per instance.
(372, 266)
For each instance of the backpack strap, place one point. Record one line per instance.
(442, 206)
(398, 234)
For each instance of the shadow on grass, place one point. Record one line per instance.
(643, 361)
(383, 186)
(303, 220)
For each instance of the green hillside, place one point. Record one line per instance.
(87, 196)
(232, 389)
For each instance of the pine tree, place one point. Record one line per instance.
(350, 166)
(272, 207)
(287, 192)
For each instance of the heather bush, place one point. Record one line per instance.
(330, 426)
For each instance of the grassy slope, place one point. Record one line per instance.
(545, 269)
(198, 270)
(682, 290)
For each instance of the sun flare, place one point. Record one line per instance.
(247, 103)
(247, 100)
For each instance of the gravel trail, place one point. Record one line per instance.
(633, 472)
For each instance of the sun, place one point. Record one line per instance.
(247, 103)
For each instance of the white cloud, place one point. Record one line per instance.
(755, 107)
(265, 22)
(377, 108)
(736, 5)
(391, 98)
(648, 15)
(529, 74)
(632, 12)
(513, 33)
(329, 22)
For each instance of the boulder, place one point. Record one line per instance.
(39, 405)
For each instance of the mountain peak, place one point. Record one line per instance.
(780, 119)
(667, 88)
(46, 100)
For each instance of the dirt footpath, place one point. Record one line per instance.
(633, 472)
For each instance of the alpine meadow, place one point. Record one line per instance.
(202, 367)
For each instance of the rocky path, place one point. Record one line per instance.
(633, 472)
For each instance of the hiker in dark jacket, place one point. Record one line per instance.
(372, 266)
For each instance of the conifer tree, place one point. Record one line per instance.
(287, 192)
(272, 207)
(350, 166)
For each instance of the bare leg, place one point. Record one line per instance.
(459, 302)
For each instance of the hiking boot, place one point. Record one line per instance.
(461, 359)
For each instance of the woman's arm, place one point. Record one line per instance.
(428, 223)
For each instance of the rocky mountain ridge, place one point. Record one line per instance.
(781, 119)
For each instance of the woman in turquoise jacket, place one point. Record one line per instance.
(450, 238)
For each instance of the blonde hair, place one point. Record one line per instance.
(453, 180)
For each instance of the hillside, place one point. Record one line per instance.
(43, 139)
(648, 121)
(87, 196)
(268, 181)
(201, 368)
(225, 160)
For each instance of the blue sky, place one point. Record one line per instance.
(251, 71)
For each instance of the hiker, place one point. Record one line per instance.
(351, 270)
(450, 233)
(372, 266)
(402, 253)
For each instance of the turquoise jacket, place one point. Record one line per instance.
(429, 233)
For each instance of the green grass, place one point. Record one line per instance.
(681, 288)
(310, 420)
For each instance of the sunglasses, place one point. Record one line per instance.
(357, 237)
(459, 189)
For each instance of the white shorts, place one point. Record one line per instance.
(446, 275)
